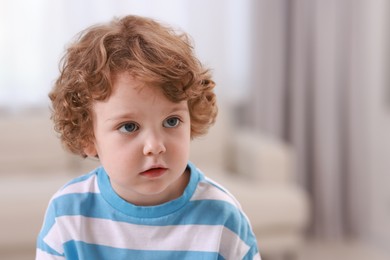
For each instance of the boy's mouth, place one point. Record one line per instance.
(154, 172)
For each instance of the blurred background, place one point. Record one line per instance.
(310, 75)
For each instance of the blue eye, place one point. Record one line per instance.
(128, 128)
(171, 122)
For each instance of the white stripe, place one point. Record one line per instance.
(79, 187)
(42, 255)
(206, 191)
(232, 247)
(106, 232)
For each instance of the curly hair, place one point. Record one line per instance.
(142, 47)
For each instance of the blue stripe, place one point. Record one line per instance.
(80, 250)
(206, 212)
(198, 212)
(49, 221)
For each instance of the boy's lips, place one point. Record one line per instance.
(154, 172)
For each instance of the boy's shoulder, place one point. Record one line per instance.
(86, 183)
(221, 206)
(208, 189)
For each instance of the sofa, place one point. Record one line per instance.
(255, 168)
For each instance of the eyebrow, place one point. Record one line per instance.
(179, 107)
(120, 116)
(127, 115)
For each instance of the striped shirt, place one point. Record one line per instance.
(86, 219)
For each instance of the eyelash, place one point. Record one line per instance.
(176, 122)
(123, 129)
(135, 126)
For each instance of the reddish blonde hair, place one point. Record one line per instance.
(142, 47)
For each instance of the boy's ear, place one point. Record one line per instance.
(90, 150)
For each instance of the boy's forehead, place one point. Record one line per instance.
(128, 79)
(127, 86)
(131, 100)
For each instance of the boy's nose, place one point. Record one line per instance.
(154, 145)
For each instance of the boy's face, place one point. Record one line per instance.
(142, 140)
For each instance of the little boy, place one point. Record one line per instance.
(132, 94)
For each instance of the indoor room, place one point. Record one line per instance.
(302, 136)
